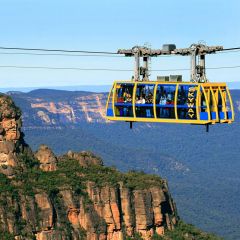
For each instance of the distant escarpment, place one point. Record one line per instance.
(50, 109)
(74, 196)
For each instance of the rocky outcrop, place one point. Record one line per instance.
(47, 159)
(85, 158)
(73, 196)
(11, 138)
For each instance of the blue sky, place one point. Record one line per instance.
(108, 25)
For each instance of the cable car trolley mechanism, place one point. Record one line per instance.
(169, 99)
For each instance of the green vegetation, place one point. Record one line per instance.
(71, 175)
(185, 231)
(6, 236)
(5, 185)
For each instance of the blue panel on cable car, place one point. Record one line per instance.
(221, 115)
(110, 112)
(229, 115)
(213, 115)
(203, 116)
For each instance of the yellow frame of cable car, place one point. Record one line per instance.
(210, 87)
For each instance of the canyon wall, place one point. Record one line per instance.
(73, 196)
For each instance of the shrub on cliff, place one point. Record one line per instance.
(185, 231)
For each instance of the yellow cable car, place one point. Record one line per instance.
(195, 102)
(173, 102)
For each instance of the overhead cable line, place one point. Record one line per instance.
(56, 50)
(231, 49)
(65, 52)
(66, 68)
(106, 69)
(60, 54)
(79, 51)
(90, 55)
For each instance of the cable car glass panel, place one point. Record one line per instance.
(144, 100)
(123, 100)
(230, 114)
(186, 102)
(221, 105)
(226, 106)
(205, 95)
(212, 104)
(165, 97)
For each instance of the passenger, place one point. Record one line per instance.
(158, 97)
(141, 100)
(169, 96)
(138, 100)
(170, 110)
(125, 112)
(125, 96)
(150, 98)
(129, 98)
(204, 106)
(163, 101)
(137, 108)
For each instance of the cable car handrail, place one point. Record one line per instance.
(154, 101)
(122, 104)
(175, 101)
(134, 100)
(151, 105)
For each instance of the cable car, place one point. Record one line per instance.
(169, 100)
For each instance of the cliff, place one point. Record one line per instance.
(74, 196)
(56, 109)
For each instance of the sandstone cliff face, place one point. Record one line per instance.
(11, 142)
(73, 196)
(68, 108)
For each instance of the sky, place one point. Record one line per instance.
(108, 25)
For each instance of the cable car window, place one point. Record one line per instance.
(203, 102)
(165, 97)
(123, 100)
(225, 105)
(228, 106)
(212, 105)
(186, 102)
(221, 104)
(144, 100)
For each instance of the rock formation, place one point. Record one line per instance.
(73, 196)
(47, 159)
(11, 138)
